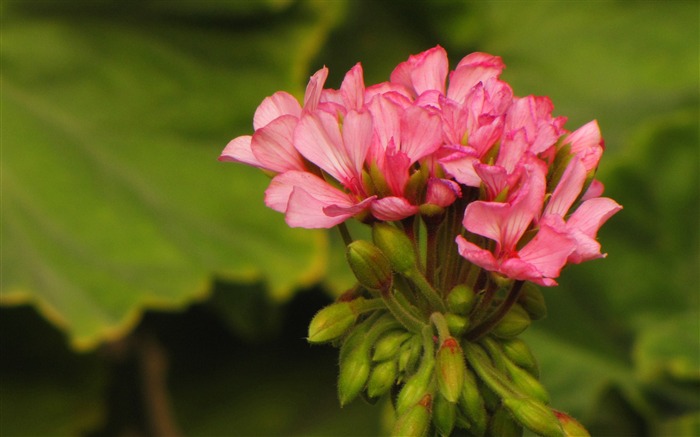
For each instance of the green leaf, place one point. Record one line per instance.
(113, 199)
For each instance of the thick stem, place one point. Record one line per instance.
(488, 324)
(426, 290)
(345, 233)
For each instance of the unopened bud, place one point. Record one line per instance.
(444, 415)
(370, 266)
(503, 424)
(414, 422)
(527, 383)
(532, 300)
(461, 299)
(397, 247)
(410, 354)
(518, 352)
(355, 365)
(572, 428)
(382, 378)
(534, 416)
(513, 323)
(456, 324)
(450, 368)
(389, 345)
(472, 404)
(417, 385)
(331, 322)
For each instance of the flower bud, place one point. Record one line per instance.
(396, 246)
(532, 300)
(410, 354)
(331, 322)
(389, 345)
(414, 422)
(502, 424)
(572, 428)
(381, 378)
(526, 383)
(456, 324)
(472, 404)
(354, 367)
(444, 415)
(513, 323)
(370, 266)
(518, 352)
(450, 368)
(534, 416)
(461, 299)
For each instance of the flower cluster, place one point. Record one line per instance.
(470, 191)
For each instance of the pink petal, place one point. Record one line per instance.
(314, 88)
(349, 210)
(302, 196)
(395, 169)
(472, 69)
(318, 138)
(386, 121)
(421, 133)
(460, 165)
(568, 188)
(591, 215)
(392, 208)
(587, 143)
(357, 138)
(424, 71)
(595, 189)
(353, 88)
(442, 192)
(238, 150)
(272, 145)
(548, 251)
(279, 104)
(476, 255)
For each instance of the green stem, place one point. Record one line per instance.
(488, 324)
(426, 290)
(403, 315)
(345, 233)
(440, 323)
(432, 252)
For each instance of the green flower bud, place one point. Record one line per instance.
(382, 378)
(419, 383)
(397, 247)
(461, 299)
(410, 354)
(456, 324)
(389, 345)
(355, 365)
(513, 323)
(502, 424)
(527, 383)
(534, 416)
(370, 266)
(355, 361)
(450, 368)
(519, 353)
(444, 415)
(472, 405)
(414, 422)
(532, 300)
(572, 428)
(331, 322)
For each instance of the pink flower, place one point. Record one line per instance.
(541, 258)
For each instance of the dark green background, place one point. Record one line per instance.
(122, 236)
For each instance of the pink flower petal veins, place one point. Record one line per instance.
(392, 208)
(568, 188)
(272, 145)
(422, 72)
(238, 150)
(313, 89)
(442, 192)
(588, 144)
(472, 69)
(279, 104)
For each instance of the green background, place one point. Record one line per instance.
(124, 241)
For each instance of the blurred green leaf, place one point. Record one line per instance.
(112, 123)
